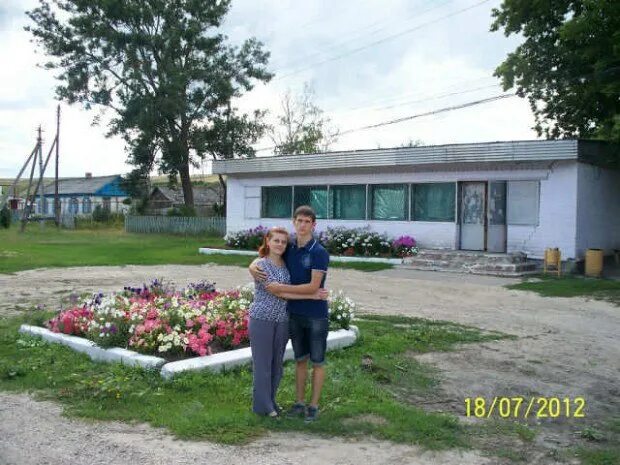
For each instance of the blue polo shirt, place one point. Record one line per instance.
(300, 262)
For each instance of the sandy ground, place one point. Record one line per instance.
(565, 348)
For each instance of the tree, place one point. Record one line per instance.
(568, 65)
(302, 128)
(161, 66)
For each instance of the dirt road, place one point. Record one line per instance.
(565, 348)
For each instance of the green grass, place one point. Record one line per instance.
(49, 247)
(602, 456)
(217, 406)
(572, 286)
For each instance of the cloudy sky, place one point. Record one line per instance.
(368, 61)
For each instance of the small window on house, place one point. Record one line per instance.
(87, 206)
(347, 202)
(107, 203)
(277, 202)
(74, 205)
(389, 202)
(522, 202)
(433, 201)
(314, 196)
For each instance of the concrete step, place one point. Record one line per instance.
(463, 261)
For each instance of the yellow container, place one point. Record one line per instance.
(553, 258)
(594, 263)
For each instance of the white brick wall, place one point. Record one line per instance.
(557, 216)
(557, 219)
(598, 209)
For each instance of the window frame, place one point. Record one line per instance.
(370, 198)
(412, 202)
(263, 201)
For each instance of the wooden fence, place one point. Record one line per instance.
(175, 225)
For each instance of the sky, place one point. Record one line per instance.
(368, 62)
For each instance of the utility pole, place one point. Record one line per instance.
(56, 196)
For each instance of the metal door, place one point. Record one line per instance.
(496, 217)
(473, 213)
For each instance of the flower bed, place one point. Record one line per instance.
(159, 320)
(358, 242)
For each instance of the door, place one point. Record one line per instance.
(473, 215)
(496, 217)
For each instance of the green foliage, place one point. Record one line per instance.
(216, 407)
(568, 65)
(301, 127)
(572, 286)
(219, 209)
(5, 217)
(183, 210)
(101, 215)
(164, 68)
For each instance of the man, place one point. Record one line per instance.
(307, 262)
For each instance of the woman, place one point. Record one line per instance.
(269, 323)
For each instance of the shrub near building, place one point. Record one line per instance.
(359, 242)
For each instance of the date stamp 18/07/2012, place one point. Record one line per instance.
(524, 407)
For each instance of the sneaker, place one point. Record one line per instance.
(312, 414)
(297, 410)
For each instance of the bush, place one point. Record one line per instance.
(101, 215)
(219, 209)
(249, 239)
(360, 242)
(5, 217)
(183, 210)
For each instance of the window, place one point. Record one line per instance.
(522, 202)
(315, 196)
(74, 206)
(87, 205)
(389, 202)
(433, 201)
(347, 202)
(107, 203)
(277, 202)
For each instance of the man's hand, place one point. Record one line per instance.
(321, 294)
(257, 272)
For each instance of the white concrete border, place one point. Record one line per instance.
(233, 358)
(216, 362)
(333, 258)
(96, 353)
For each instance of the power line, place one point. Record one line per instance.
(426, 99)
(418, 115)
(429, 113)
(380, 41)
(364, 32)
(389, 99)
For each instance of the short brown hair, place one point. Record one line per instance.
(263, 250)
(305, 210)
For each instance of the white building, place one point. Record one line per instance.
(520, 196)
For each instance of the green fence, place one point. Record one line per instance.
(175, 225)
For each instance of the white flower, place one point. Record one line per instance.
(101, 334)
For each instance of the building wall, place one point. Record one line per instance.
(557, 215)
(116, 204)
(598, 209)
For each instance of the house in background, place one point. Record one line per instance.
(80, 196)
(162, 199)
(522, 196)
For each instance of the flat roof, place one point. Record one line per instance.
(485, 152)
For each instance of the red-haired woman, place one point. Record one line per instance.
(269, 323)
